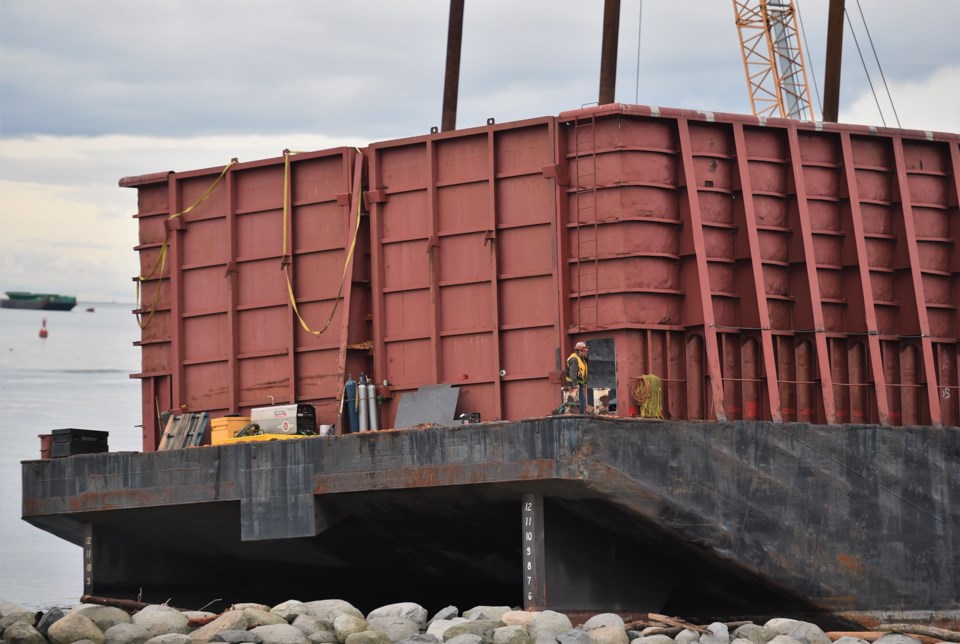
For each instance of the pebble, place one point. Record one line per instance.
(335, 621)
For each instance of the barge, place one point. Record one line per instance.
(792, 287)
(38, 301)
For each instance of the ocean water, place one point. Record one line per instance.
(79, 376)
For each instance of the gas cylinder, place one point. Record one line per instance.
(372, 416)
(362, 403)
(350, 395)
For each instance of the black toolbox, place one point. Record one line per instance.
(67, 442)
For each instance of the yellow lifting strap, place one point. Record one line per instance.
(160, 264)
(285, 264)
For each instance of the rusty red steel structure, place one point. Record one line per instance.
(762, 268)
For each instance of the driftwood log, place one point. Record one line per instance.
(917, 629)
(125, 604)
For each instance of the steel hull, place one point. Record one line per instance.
(37, 305)
(634, 516)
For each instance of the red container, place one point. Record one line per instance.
(46, 442)
(222, 332)
(763, 269)
(464, 267)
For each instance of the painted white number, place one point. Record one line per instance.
(530, 596)
(529, 566)
(946, 393)
(528, 550)
(528, 506)
(529, 536)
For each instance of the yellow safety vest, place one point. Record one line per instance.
(582, 369)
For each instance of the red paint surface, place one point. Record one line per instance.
(775, 270)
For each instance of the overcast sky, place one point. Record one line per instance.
(96, 90)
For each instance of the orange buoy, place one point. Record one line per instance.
(43, 329)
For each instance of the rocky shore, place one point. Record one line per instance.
(334, 621)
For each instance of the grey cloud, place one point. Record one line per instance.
(375, 67)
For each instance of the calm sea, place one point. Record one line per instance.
(79, 376)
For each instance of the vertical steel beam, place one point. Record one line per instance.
(377, 298)
(433, 257)
(351, 215)
(756, 265)
(916, 282)
(491, 239)
(294, 323)
(175, 279)
(866, 284)
(233, 296)
(451, 79)
(608, 54)
(702, 273)
(954, 204)
(831, 83)
(813, 279)
(561, 237)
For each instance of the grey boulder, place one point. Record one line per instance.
(23, 633)
(103, 616)
(49, 618)
(607, 635)
(403, 610)
(653, 639)
(289, 609)
(72, 628)
(550, 622)
(395, 628)
(329, 609)
(127, 633)
(481, 627)
(170, 638)
(801, 631)
(486, 612)
(237, 637)
(280, 634)
(232, 620)
(367, 637)
(603, 619)
(160, 620)
(511, 635)
(465, 638)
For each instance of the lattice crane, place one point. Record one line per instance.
(773, 58)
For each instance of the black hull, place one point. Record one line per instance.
(682, 518)
(37, 306)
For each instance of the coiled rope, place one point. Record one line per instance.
(648, 394)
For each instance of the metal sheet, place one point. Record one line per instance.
(433, 405)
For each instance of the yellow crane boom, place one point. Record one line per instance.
(773, 58)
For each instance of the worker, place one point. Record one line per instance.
(577, 372)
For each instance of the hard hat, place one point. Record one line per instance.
(580, 345)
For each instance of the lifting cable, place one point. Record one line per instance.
(864, 63)
(636, 94)
(160, 264)
(879, 66)
(286, 258)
